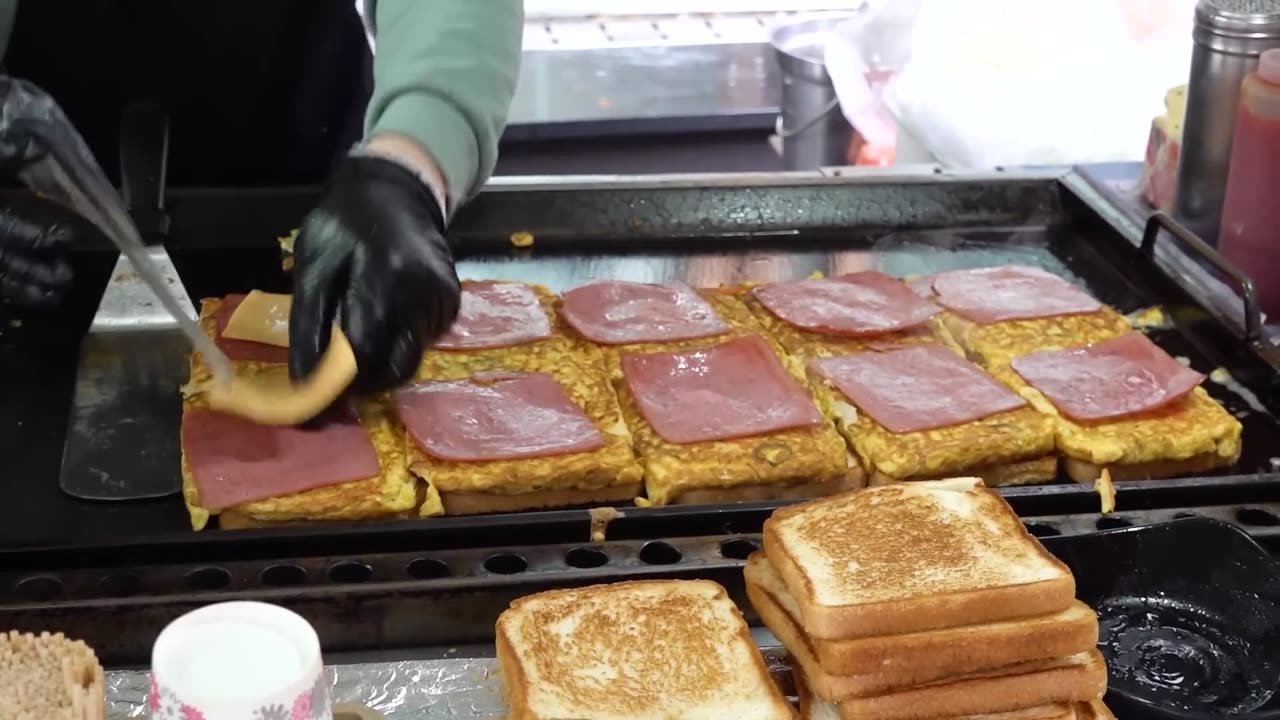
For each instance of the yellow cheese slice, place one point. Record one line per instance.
(263, 318)
(272, 399)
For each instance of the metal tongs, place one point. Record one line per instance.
(69, 172)
(134, 359)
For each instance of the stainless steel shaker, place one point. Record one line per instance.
(1229, 36)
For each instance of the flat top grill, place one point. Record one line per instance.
(705, 232)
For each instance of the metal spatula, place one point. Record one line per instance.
(122, 436)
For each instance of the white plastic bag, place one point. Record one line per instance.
(985, 83)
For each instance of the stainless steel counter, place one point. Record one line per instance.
(592, 76)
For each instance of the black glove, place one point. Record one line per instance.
(33, 264)
(373, 256)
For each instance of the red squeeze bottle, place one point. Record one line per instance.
(1250, 234)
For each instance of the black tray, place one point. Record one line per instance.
(1189, 615)
(704, 231)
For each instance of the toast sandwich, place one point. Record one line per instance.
(606, 474)
(647, 650)
(1010, 444)
(388, 491)
(794, 462)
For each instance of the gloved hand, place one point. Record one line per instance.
(372, 256)
(33, 264)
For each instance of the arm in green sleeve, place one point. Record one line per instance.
(444, 73)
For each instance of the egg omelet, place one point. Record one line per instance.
(995, 344)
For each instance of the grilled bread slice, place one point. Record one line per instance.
(648, 650)
(1079, 678)
(813, 707)
(839, 669)
(912, 557)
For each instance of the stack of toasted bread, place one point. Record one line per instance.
(925, 600)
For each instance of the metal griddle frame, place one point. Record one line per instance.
(414, 583)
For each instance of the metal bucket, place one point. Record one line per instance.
(813, 131)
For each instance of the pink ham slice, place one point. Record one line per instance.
(244, 350)
(1110, 379)
(917, 388)
(1014, 292)
(733, 390)
(865, 303)
(234, 461)
(496, 315)
(614, 312)
(922, 285)
(495, 416)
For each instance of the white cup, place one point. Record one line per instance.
(238, 661)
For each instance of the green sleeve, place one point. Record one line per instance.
(444, 73)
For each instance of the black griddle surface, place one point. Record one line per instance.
(38, 351)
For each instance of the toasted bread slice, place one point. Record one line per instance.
(839, 669)
(1095, 709)
(1019, 472)
(610, 474)
(911, 557)
(1194, 434)
(813, 707)
(649, 649)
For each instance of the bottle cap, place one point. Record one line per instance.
(1269, 66)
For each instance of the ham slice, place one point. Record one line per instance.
(864, 303)
(1013, 292)
(496, 315)
(1110, 379)
(244, 350)
(917, 388)
(733, 390)
(922, 285)
(614, 312)
(495, 416)
(234, 461)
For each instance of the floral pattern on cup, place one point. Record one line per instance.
(164, 705)
(310, 705)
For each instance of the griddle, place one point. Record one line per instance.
(705, 230)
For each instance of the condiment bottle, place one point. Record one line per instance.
(1229, 36)
(1250, 235)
